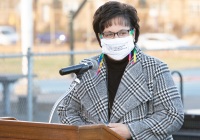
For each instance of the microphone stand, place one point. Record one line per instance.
(72, 86)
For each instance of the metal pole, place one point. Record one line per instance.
(72, 17)
(79, 8)
(71, 39)
(181, 83)
(26, 30)
(29, 89)
(27, 41)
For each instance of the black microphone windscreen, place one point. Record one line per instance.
(84, 65)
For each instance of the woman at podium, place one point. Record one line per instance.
(130, 92)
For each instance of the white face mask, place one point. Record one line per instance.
(117, 48)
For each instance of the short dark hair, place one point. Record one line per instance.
(113, 9)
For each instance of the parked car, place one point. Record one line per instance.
(8, 35)
(157, 41)
(60, 37)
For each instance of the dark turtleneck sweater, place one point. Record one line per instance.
(115, 72)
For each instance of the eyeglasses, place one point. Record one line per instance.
(121, 34)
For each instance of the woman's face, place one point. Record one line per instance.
(116, 27)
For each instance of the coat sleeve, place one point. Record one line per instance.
(167, 116)
(69, 110)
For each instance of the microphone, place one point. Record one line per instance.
(84, 66)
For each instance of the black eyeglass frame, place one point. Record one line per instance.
(130, 31)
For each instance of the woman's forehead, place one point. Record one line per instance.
(117, 21)
(116, 28)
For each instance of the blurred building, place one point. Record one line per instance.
(10, 14)
(177, 16)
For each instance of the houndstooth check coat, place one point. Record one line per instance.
(147, 100)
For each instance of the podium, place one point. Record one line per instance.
(14, 130)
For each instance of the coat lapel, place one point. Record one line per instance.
(131, 92)
(97, 94)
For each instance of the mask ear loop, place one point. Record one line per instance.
(134, 50)
(100, 63)
(131, 32)
(129, 56)
(134, 56)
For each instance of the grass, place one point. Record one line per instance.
(48, 66)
